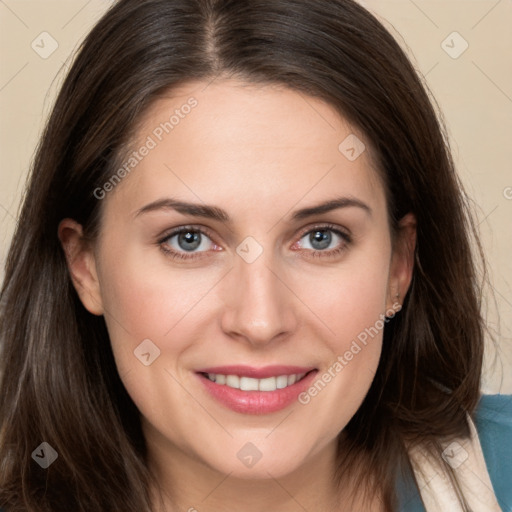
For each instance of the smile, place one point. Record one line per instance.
(252, 384)
(250, 390)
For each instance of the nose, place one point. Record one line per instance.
(260, 307)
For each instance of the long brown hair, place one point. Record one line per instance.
(59, 382)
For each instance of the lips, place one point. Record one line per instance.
(250, 390)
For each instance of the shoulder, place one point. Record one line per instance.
(495, 412)
(493, 421)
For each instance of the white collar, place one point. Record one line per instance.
(466, 458)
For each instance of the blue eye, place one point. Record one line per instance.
(320, 239)
(189, 242)
(325, 241)
(186, 240)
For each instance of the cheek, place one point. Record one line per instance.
(352, 304)
(148, 311)
(350, 298)
(146, 296)
(136, 308)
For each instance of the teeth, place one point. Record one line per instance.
(250, 384)
(282, 381)
(268, 384)
(233, 381)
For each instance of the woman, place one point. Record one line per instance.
(242, 276)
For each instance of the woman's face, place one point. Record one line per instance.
(284, 271)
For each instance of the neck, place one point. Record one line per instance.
(188, 484)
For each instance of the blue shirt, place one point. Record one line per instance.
(493, 421)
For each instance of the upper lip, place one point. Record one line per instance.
(257, 373)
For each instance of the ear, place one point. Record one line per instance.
(402, 261)
(81, 264)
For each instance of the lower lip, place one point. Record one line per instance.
(256, 402)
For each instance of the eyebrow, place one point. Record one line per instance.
(216, 213)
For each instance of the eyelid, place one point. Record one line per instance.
(326, 226)
(186, 227)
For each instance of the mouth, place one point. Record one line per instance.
(251, 384)
(251, 390)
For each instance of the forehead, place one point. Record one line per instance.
(247, 144)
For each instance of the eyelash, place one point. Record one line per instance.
(175, 255)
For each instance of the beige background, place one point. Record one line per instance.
(473, 89)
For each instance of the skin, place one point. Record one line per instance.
(260, 153)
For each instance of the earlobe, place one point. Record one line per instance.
(402, 264)
(81, 265)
